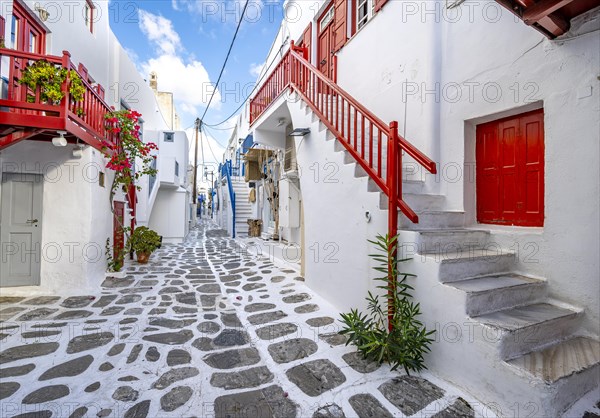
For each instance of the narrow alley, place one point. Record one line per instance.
(204, 330)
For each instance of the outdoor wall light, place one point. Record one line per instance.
(78, 151)
(300, 132)
(60, 141)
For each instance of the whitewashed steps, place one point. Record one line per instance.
(561, 360)
(521, 330)
(441, 241)
(433, 219)
(493, 293)
(456, 266)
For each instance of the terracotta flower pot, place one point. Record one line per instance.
(143, 258)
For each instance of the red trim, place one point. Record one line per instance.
(379, 4)
(92, 8)
(2, 28)
(28, 23)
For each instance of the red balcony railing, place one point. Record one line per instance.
(376, 146)
(24, 107)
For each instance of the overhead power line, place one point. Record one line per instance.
(214, 125)
(226, 59)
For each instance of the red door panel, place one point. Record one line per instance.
(510, 170)
(118, 233)
(325, 45)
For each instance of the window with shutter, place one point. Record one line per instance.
(340, 24)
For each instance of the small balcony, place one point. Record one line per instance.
(25, 115)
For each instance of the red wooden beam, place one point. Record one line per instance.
(18, 136)
(542, 9)
(554, 24)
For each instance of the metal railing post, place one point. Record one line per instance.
(393, 187)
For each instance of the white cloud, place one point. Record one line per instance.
(178, 73)
(256, 69)
(159, 30)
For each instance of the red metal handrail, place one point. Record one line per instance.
(377, 147)
(366, 137)
(21, 100)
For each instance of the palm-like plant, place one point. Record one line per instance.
(390, 332)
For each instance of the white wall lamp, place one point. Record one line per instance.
(60, 141)
(300, 132)
(78, 150)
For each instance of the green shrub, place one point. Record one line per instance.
(402, 344)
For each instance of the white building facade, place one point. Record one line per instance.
(507, 239)
(62, 194)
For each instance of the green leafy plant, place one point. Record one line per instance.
(390, 331)
(50, 78)
(115, 264)
(144, 240)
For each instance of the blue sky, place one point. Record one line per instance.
(186, 41)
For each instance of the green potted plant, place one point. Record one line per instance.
(144, 241)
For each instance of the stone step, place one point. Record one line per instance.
(468, 264)
(521, 330)
(561, 360)
(442, 241)
(418, 202)
(433, 220)
(502, 291)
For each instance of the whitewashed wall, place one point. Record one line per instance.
(77, 209)
(76, 219)
(440, 73)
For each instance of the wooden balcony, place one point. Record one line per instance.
(24, 115)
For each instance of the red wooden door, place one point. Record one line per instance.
(510, 170)
(326, 39)
(118, 233)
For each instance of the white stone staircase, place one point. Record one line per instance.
(537, 339)
(243, 208)
(522, 347)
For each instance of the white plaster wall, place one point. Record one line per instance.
(169, 216)
(428, 67)
(336, 229)
(562, 76)
(75, 216)
(381, 65)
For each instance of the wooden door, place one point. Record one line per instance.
(21, 229)
(118, 233)
(326, 39)
(510, 170)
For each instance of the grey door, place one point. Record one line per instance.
(20, 229)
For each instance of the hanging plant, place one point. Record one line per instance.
(50, 78)
(129, 149)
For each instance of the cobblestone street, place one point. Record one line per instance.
(203, 330)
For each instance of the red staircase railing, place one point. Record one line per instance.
(376, 146)
(23, 107)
